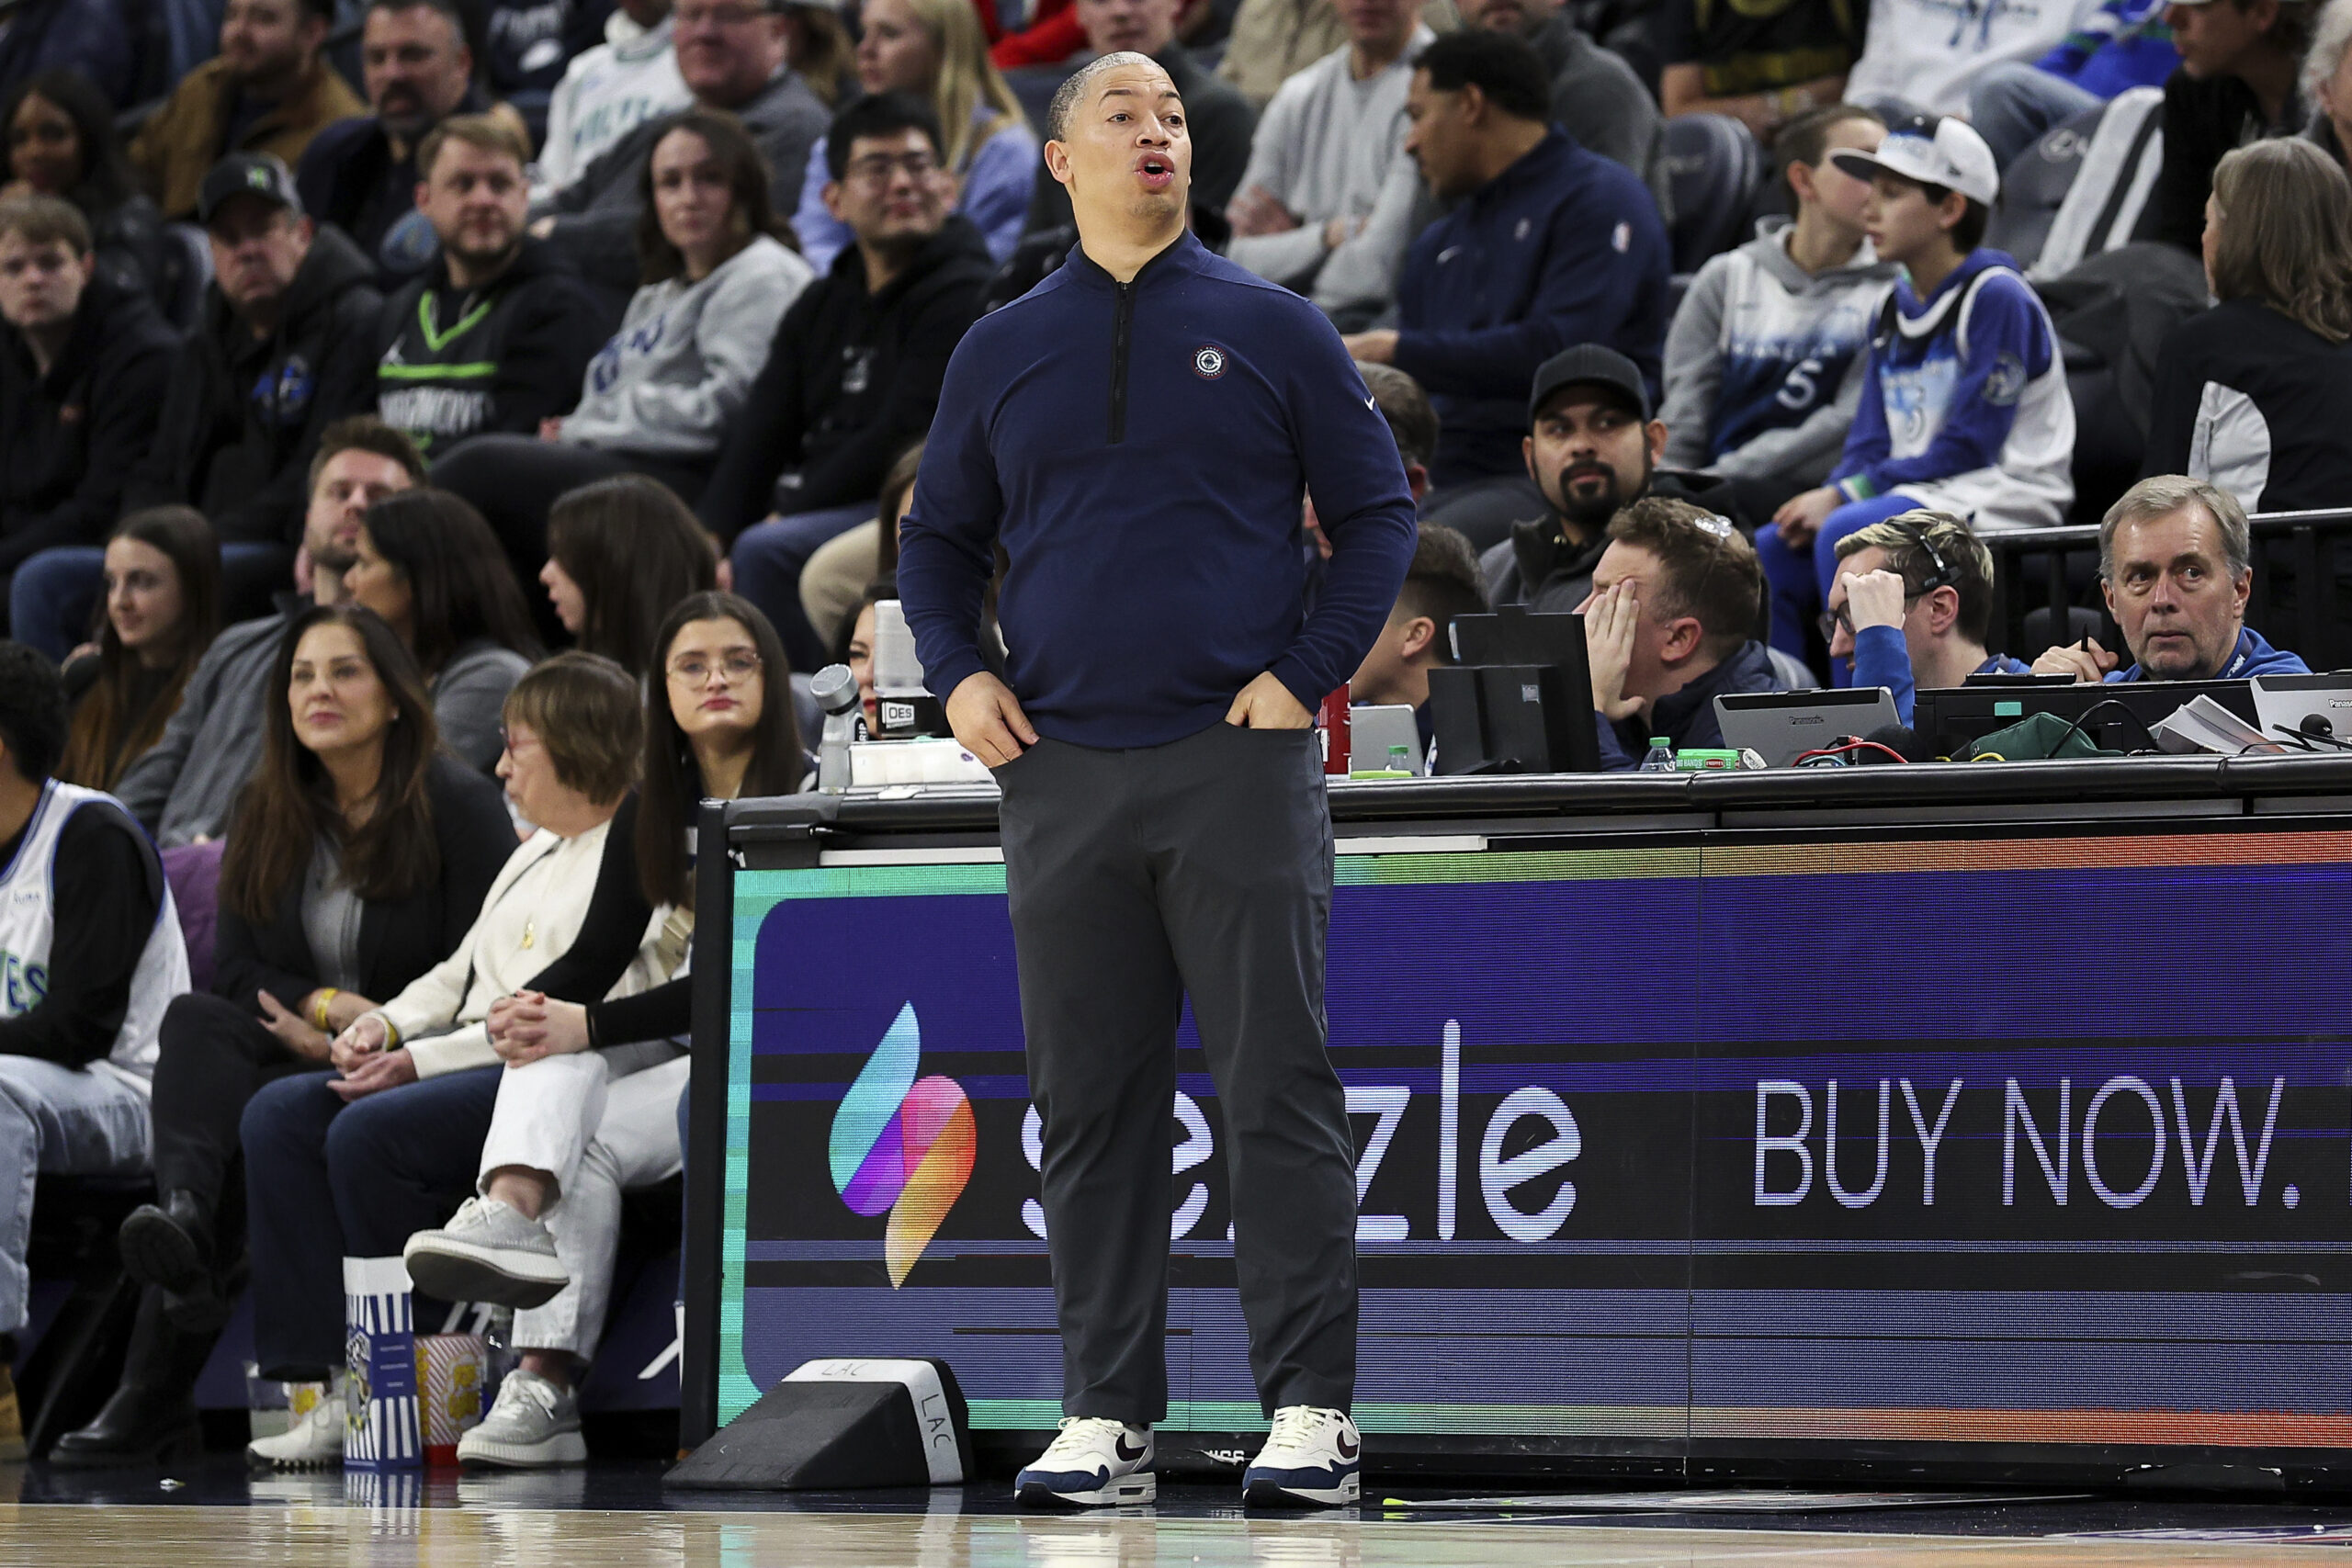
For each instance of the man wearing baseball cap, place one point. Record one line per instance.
(286, 347)
(1592, 448)
(1965, 406)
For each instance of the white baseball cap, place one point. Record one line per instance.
(1934, 151)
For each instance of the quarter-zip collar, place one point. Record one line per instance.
(1182, 256)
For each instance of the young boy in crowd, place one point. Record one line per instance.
(1763, 366)
(1965, 406)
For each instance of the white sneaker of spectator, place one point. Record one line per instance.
(312, 1443)
(533, 1425)
(1312, 1457)
(490, 1252)
(1092, 1462)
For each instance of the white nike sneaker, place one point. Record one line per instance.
(314, 1443)
(1312, 1459)
(1094, 1462)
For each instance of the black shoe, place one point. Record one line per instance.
(137, 1427)
(169, 1246)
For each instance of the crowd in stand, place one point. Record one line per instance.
(354, 356)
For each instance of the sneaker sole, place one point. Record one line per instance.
(157, 1252)
(1275, 1494)
(1125, 1492)
(457, 1271)
(263, 1461)
(549, 1454)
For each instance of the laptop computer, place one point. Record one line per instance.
(2316, 705)
(1780, 726)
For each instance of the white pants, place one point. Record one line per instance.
(599, 1136)
(74, 1121)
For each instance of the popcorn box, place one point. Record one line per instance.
(452, 1375)
(383, 1429)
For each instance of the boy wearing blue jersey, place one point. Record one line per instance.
(1965, 406)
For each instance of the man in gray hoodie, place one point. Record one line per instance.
(184, 787)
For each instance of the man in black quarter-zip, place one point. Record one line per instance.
(1137, 433)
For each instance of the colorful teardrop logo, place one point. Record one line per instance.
(902, 1146)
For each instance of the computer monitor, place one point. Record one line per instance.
(1947, 721)
(1520, 699)
(1780, 726)
(2317, 706)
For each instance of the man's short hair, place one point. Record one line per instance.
(2160, 495)
(879, 114)
(1805, 138)
(1915, 541)
(483, 132)
(366, 432)
(32, 711)
(589, 714)
(46, 220)
(1443, 582)
(1710, 571)
(1505, 68)
(1072, 92)
(1407, 408)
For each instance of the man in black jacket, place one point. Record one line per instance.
(497, 333)
(287, 347)
(81, 374)
(2239, 60)
(854, 376)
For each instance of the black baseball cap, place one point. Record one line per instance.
(262, 174)
(1588, 364)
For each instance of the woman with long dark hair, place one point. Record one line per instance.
(620, 553)
(163, 606)
(428, 564)
(61, 142)
(718, 724)
(719, 272)
(358, 857)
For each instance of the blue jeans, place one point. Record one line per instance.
(2013, 104)
(325, 1180)
(1798, 581)
(53, 600)
(77, 1121)
(768, 558)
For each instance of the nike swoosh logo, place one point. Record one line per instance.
(1347, 1449)
(1128, 1455)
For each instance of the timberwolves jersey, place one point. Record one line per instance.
(29, 897)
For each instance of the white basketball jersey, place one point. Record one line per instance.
(29, 895)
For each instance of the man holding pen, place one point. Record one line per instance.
(1138, 431)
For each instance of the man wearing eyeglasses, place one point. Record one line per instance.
(731, 55)
(1912, 605)
(852, 378)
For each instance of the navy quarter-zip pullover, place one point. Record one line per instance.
(1141, 450)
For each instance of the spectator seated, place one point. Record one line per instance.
(1921, 59)
(61, 142)
(163, 595)
(525, 46)
(184, 788)
(1273, 40)
(1762, 70)
(2236, 83)
(620, 553)
(320, 911)
(269, 90)
(2176, 563)
(1441, 583)
(1481, 309)
(1673, 597)
(609, 91)
(1964, 407)
(1327, 202)
(360, 175)
(2326, 82)
(853, 376)
(1764, 363)
(2122, 45)
(84, 364)
(936, 50)
(838, 576)
(1912, 606)
(1595, 96)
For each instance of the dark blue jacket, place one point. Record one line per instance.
(1142, 450)
(1687, 718)
(1563, 247)
(2250, 658)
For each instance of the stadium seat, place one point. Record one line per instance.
(1712, 167)
(187, 273)
(2082, 189)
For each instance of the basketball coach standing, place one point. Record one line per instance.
(1139, 430)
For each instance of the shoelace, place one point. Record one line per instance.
(519, 1386)
(1296, 1425)
(1075, 1434)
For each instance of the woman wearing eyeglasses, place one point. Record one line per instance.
(587, 1107)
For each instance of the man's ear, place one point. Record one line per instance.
(422, 188)
(1950, 210)
(1943, 609)
(1684, 635)
(1058, 160)
(1474, 105)
(832, 197)
(1417, 481)
(1419, 638)
(1654, 434)
(1801, 183)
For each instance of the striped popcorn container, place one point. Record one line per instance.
(382, 1430)
(451, 1369)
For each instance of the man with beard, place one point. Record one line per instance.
(1592, 450)
(853, 377)
(1595, 96)
(497, 333)
(360, 175)
(269, 90)
(184, 788)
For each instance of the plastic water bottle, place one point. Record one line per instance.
(1661, 757)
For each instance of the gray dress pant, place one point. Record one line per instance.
(1200, 868)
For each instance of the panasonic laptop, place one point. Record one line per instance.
(1780, 726)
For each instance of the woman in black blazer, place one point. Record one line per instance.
(356, 861)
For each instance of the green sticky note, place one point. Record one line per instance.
(2008, 710)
